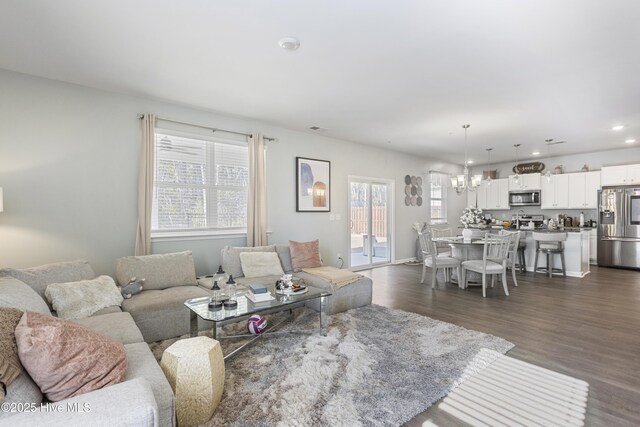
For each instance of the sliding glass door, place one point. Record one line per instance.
(370, 219)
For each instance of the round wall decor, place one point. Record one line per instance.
(413, 190)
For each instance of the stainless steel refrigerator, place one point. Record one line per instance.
(619, 227)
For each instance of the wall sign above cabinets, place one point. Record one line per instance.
(530, 167)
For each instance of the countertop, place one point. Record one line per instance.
(538, 230)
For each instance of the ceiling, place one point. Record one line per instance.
(399, 74)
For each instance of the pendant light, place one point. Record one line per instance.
(548, 172)
(488, 180)
(516, 179)
(465, 181)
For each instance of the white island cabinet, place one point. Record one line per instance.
(576, 253)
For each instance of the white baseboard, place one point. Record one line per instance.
(402, 261)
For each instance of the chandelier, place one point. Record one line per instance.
(463, 182)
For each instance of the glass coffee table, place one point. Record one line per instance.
(199, 307)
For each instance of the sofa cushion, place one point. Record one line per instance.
(16, 294)
(231, 257)
(161, 314)
(119, 326)
(258, 264)
(60, 272)
(66, 359)
(77, 300)
(22, 390)
(305, 255)
(107, 310)
(142, 364)
(160, 271)
(285, 257)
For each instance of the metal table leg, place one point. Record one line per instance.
(194, 324)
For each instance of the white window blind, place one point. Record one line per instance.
(438, 197)
(200, 184)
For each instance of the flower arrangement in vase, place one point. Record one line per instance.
(471, 216)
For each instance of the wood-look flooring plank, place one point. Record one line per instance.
(587, 328)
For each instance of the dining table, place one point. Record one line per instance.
(464, 250)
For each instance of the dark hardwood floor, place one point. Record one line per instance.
(587, 328)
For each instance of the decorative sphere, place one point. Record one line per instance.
(256, 324)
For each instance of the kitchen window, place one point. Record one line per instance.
(200, 186)
(438, 197)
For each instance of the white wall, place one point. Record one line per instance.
(68, 166)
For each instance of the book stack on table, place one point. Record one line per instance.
(259, 293)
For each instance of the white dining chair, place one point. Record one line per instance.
(442, 247)
(513, 252)
(494, 261)
(435, 262)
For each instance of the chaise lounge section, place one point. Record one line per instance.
(343, 298)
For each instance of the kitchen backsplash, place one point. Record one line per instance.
(589, 214)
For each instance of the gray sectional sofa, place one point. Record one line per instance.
(170, 280)
(357, 294)
(145, 397)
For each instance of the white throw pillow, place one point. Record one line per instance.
(77, 300)
(259, 264)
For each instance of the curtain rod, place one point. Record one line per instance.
(140, 116)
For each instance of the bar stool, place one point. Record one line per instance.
(522, 263)
(550, 244)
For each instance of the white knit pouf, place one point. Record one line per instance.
(195, 370)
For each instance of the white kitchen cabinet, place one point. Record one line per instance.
(633, 174)
(555, 194)
(592, 183)
(472, 199)
(497, 194)
(583, 190)
(621, 175)
(481, 195)
(494, 195)
(529, 181)
(503, 194)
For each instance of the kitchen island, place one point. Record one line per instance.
(576, 249)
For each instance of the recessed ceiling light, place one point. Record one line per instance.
(317, 128)
(630, 141)
(289, 43)
(469, 162)
(535, 153)
(617, 127)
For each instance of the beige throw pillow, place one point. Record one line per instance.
(77, 300)
(305, 255)
(260, 264)
(66, 359)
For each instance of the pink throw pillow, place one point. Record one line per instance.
(305, 255)
(66, 359)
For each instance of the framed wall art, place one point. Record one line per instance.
(313, 185)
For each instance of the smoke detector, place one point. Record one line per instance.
(289, 43)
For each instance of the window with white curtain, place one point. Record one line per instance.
(200, 185)
(438, 191)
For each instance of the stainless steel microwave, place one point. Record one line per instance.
(524, 198)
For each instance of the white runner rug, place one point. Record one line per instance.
(509, 392)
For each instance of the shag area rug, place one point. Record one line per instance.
(376, 366)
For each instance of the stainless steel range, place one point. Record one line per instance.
(619, 228)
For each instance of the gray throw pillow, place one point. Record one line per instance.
(59, 272)
(16, 294)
